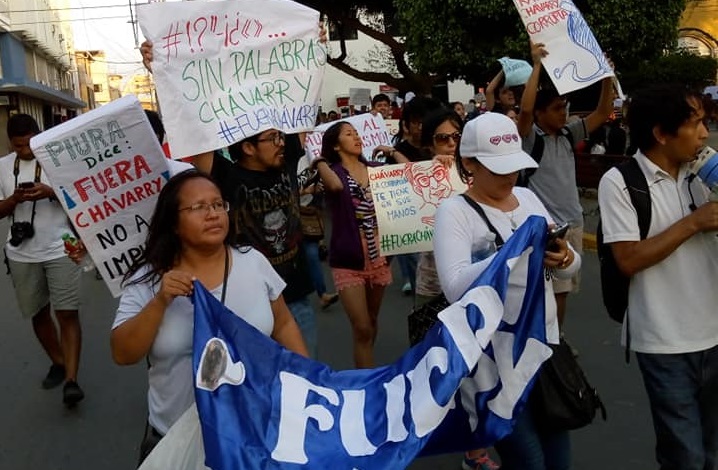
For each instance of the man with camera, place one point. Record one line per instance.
(43, 276)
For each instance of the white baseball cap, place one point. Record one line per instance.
(494, 141)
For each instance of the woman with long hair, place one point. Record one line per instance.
(360, 273)
(187, 241)
(490, 155)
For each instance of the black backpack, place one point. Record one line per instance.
(537, 155)
(615, 284)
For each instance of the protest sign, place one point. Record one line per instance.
(107, 169)
(516, 72)
(232, 69)
(392, 126)
(371, 129)
(406, 196)
(575, 58)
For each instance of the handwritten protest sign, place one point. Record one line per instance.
(371, 129)
(406, 197)
(575, 59)
(232, 69)
(107, 169)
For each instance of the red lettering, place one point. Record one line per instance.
(96, 214)
(78, 222)
(141, 165)
(110, 178)
(139, 193)
(122, 167)
(80, 187)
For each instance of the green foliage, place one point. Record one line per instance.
(463, 38)
(680, 67)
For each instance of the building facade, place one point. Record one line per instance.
(36, 63)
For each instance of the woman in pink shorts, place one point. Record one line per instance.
(360, 274)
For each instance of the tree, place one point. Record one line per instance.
(372, 17)
(463, 38)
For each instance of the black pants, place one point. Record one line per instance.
(150, 440)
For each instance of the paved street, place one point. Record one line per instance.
(38, 433)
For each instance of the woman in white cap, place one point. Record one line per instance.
(489, 160)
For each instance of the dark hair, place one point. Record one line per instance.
(235, 150)
(665, 106)
(416, 110)
(545, 96)
(330, 140)
(163, 246)
(20, 125)
(156, 123)
(379, 98)
(433, 120)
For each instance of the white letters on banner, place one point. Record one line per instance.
(406, 197)
(575, 58)
(232, 69)
(107, 169)
(372, 130)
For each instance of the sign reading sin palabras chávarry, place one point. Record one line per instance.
(107, 169)
(575, 58)
(232, 69)
(372, 130)
(406, 197)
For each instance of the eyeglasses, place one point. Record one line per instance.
(442, 138)
(276, 138)
(205, 208)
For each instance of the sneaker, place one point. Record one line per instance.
(72, 394)
(55, 376)
(483, 462)
(406, 289)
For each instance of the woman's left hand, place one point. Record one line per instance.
(559, 259)
(446, 160)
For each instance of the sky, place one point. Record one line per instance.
(106, 25)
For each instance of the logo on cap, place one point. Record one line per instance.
(496, 140)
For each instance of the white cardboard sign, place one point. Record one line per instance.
(406, 196)
(229, 70)
(575, 58)
(107, 168)
(372, 130)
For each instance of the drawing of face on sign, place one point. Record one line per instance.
(431, 183)
(275, 230)
(216, 367)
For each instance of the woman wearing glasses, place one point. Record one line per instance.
(187, 241)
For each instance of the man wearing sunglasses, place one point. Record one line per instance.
(262, 189)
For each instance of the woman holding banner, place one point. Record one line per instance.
(470, 228)
(187, 241)
(360, 273)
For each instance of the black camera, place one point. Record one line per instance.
(21, 231)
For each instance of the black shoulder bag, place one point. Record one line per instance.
(422, 318)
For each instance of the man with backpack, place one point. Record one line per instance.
(549, 140)
(671, 321)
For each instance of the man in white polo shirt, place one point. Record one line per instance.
(43, 276)
(673, 300)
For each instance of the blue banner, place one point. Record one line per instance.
(264, 407)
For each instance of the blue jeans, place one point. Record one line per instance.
(306, 319)
(683, 393)
(315, 267)
(407, 265)
(531, 448)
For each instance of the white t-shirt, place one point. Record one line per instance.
(673, 305)
(461, 235)
(251, 286)
(50, 224)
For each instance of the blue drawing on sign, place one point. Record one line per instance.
(68, 200)
(580, 34)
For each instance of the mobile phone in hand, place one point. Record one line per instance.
(555, 233)
(26, 185)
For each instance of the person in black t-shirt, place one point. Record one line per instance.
(262, 189)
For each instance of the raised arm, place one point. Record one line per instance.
(604, 108)
(528, 100)
(491, 90)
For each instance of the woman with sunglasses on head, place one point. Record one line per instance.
(360, 273)
(469, 229)
(187, 241)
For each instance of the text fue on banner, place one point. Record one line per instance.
(372, 130)
(107, 169)
(228, 70)
(575, 59)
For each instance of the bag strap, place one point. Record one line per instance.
(640, 195)
(227, 254)
(16, 174)
(480, 210)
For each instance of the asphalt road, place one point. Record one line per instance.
(38, 433)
